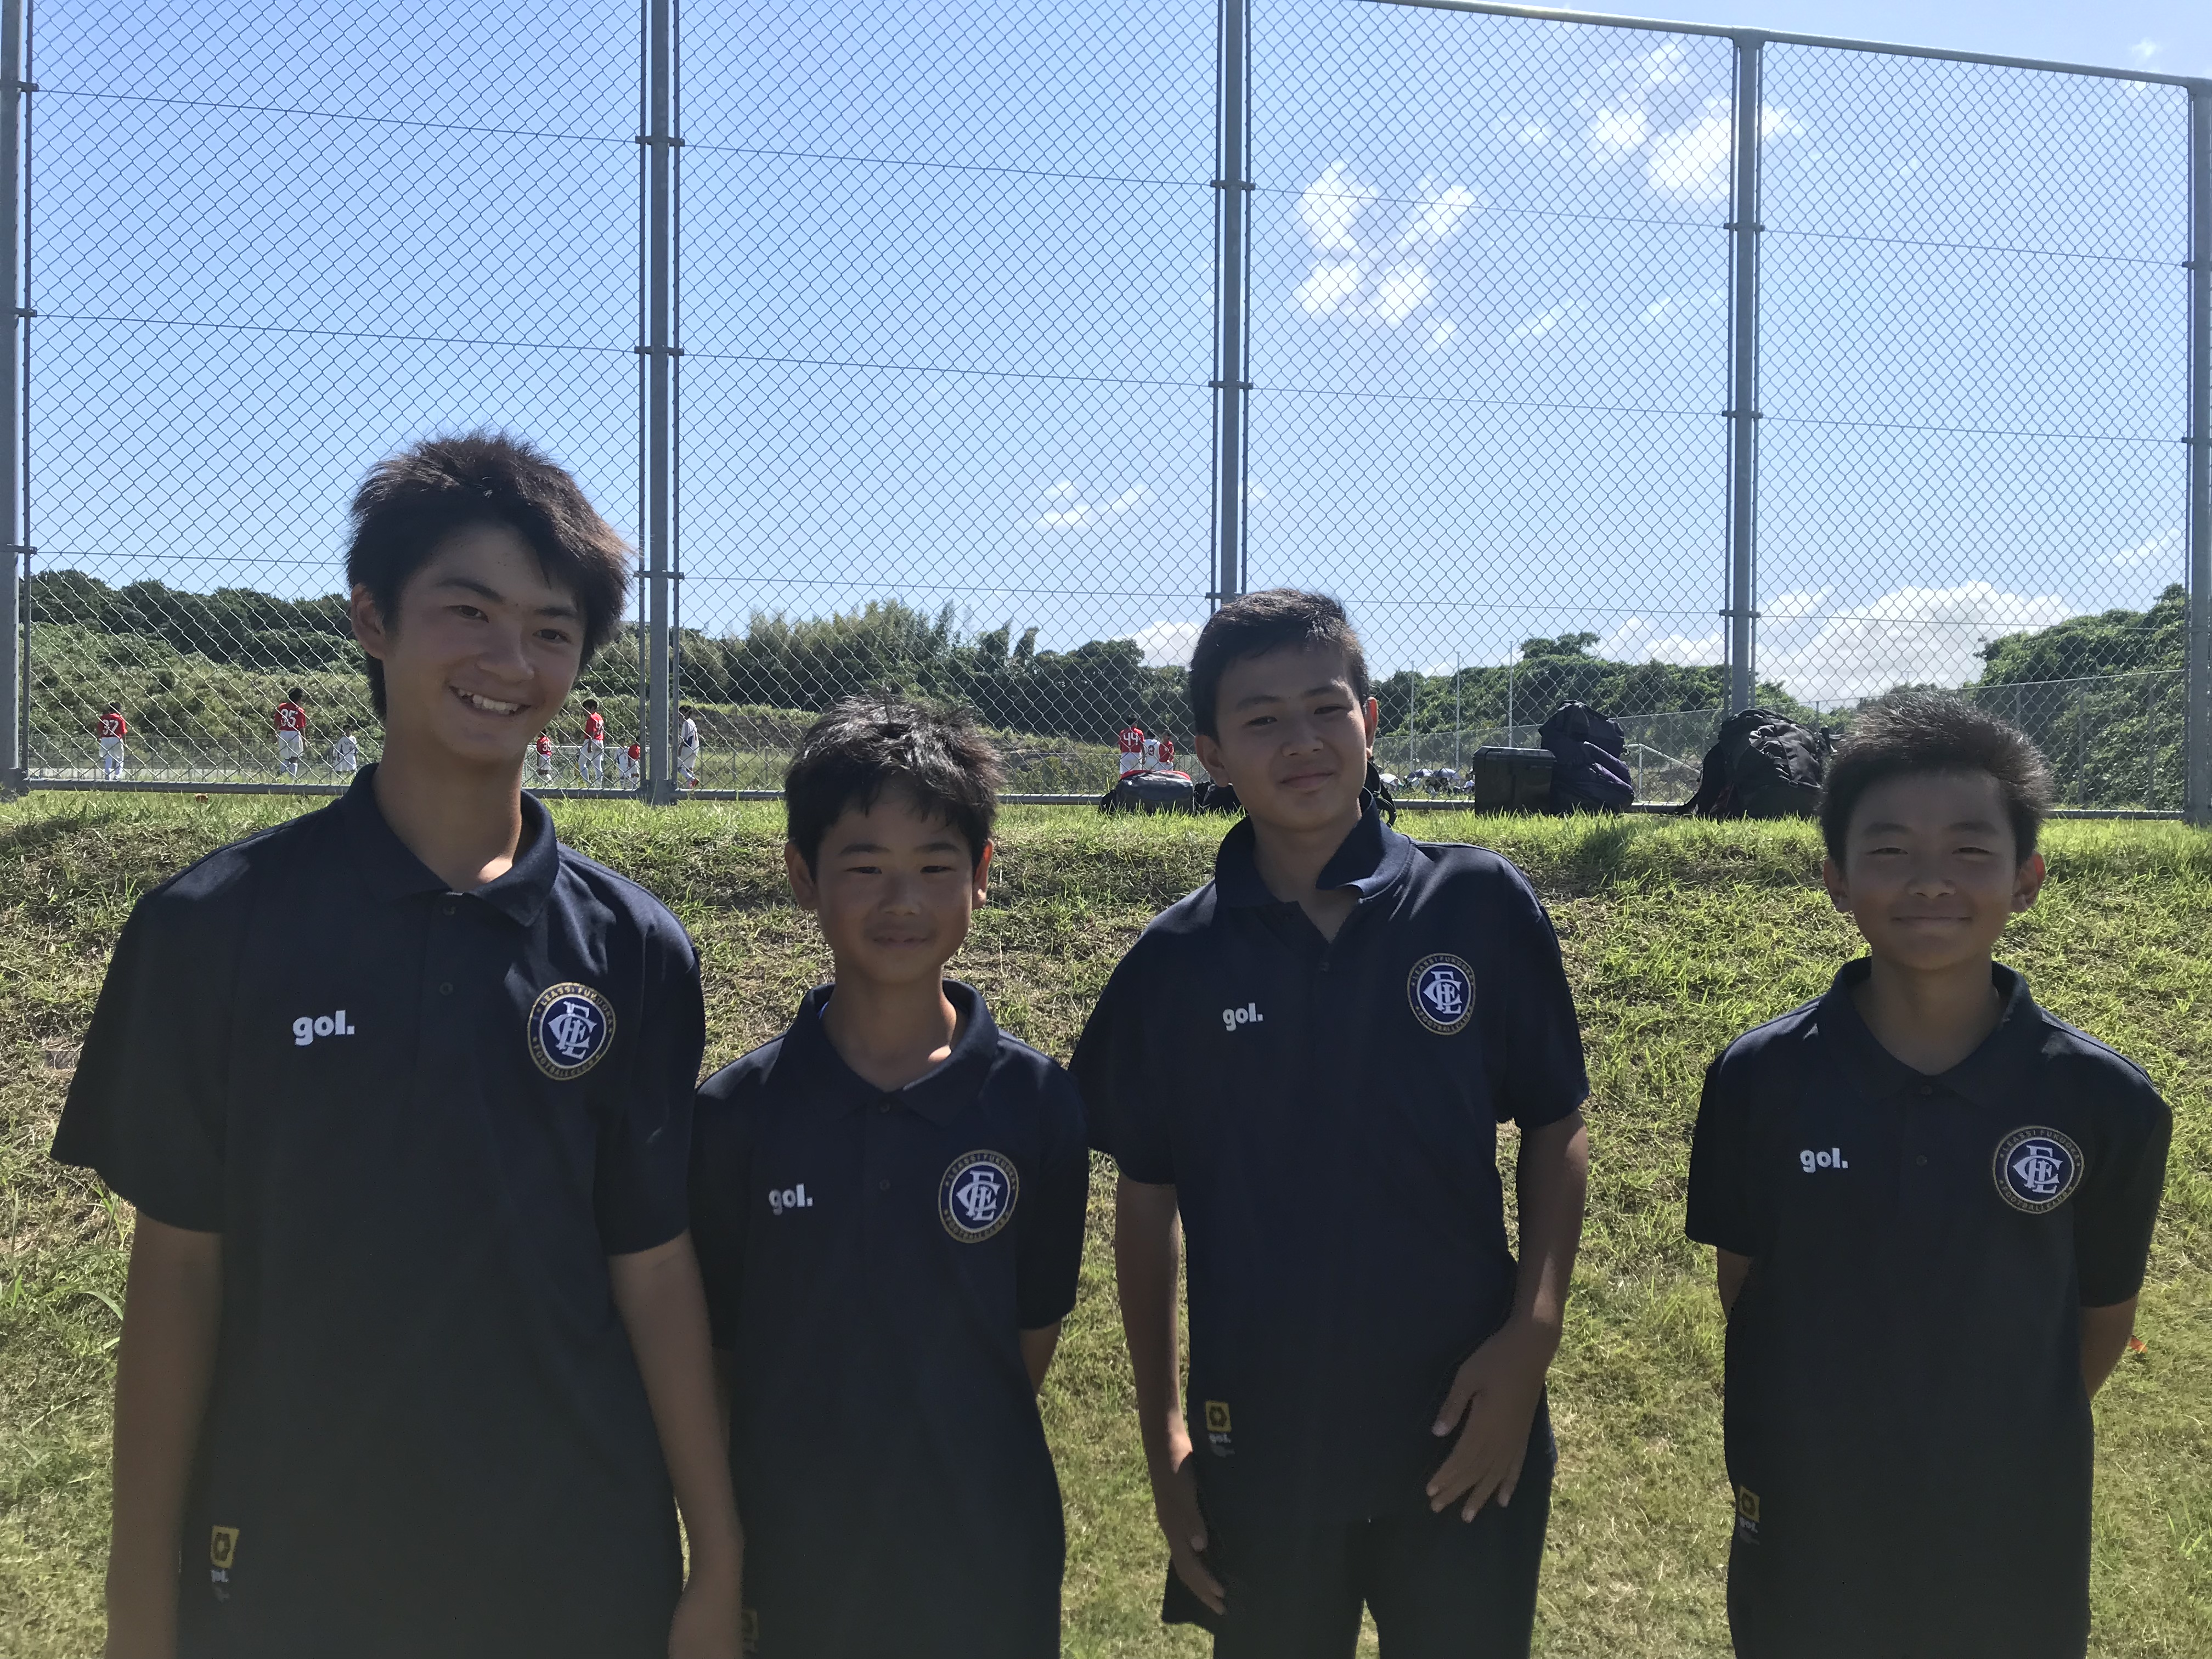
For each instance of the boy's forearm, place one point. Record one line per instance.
(1552, 1182)
(1038, 1346)
(657, 1293)
(2104, 1333)
(164, 1369)
(1146, 1246)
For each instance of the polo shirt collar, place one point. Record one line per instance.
(1991, 1075)
(389, 869)
(833, 1088)
(1372, 858)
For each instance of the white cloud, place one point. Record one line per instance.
(1167, 644)
(1545, 321)
(1693, 163)
(1443, 335)
(1909, 635)
(1677, 304)
(1331, 205)
(1256, 492)
(1651, 107)
(1639, 641)
(2164, 548)
(2143, 50)
(1789, 607)
(1535, 133)
(1620, 128)
(1088, 516)
(1381, 279)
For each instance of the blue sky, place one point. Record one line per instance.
(947, 324)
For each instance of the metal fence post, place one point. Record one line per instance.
(1744, 228)
(661, 352)
(1232, 248)
(14, 637)
(2196, 791)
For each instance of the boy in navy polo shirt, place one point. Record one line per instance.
(1932, 1203)
(889, 1200)
(415, 1346)
(1306, 1061)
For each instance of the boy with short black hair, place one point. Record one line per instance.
(1932, 1203)
(1367, 1360)
(888, 1201)
(415, 1345)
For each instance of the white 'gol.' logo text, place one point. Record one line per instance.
(780, 1199)
(1249, 1014)
(308, 1027)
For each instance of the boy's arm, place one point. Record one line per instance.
(657, 1293)
(1732, 1270)
(2104, 1333)
(1497, 1388)
(1147, 1242)
(165, 1364)
(1037, 1347)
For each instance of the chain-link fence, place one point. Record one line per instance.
(977, 350)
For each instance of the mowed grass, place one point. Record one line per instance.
(1676, 935)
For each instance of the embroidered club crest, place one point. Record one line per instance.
(2036, 1169)
(1442, 990)
(571, 1026)
(976, 1197)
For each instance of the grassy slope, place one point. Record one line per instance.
(1676, 936)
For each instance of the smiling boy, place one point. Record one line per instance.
(1303, 1067)
(414, 1344)
(1931, 1202)
(889, 1200)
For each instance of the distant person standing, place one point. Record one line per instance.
(543, 755)
(1152, 754)
(113, 728)
(291, 732)
(1132, 747)
(593, 762)
(687, 749)
(1167, 755)
(632, 765)
(345, 756)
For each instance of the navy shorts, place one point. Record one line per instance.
(1439, 1587)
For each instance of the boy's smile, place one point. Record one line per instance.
(1293, 737)
(894, 888)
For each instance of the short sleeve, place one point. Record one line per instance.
(640, 1192)
(2117, 1208)
(1051, 1257)
(1126, 1113)
(721, 1176)
(1543, 1075)
(1721, 1213)
(146, 1109)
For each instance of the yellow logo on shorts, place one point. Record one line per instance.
(1217, 1416)
(222, 1546)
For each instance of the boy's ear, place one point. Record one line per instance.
(1831, 878)
(369, 631)
(983, 872)
(2027, 882)
(803, 889)
(1373, 717)
(1209, 756)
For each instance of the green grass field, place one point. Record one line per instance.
(1677, 936)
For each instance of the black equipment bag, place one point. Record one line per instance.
(1500, 780)
(1762, 765)
(1151, 792)
(1591, 775)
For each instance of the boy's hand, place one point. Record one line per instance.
(1175, 1501)
(709, 1621)
(1496, 1390)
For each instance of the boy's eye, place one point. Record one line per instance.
(470, 612)
(553, 634)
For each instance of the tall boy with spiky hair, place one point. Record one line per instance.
(414, 1347)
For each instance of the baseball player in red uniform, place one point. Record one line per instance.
(113, 728)
(593, 762)
(291, 732)
(1133, 748)
(544, 757)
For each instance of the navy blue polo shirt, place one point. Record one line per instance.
(872, 1258)
(1907, 1435)
(422, 1120)
(1327, 1113)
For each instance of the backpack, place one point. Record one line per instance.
(1762, 765)
(1151, 792)
(1510, 779)
(1589, 774)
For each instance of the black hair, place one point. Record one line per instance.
(1910, 732)
(414, 501)
(590, 702)
(1257, 623)
(293, 695)
(937, 754)
(112, 708)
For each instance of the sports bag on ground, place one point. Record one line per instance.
(1591, 774)
(1500, 780)
(1151, 792)
(1763, 765)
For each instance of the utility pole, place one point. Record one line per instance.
(15, 566)
(1748, 115)
(658, 390)
(1233, 250)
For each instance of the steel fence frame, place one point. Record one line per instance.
(659, 351)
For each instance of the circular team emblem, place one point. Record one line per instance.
(1442, 990)
(976, 1197)
(2036, 1169)
(570, 1027)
